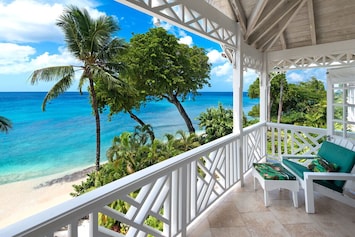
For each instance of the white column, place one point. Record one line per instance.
(264, 100)
(238, 101)
(238, 86)
(264, 85)
(330, 94)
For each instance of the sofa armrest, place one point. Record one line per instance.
(298, 156)
(328, 176)
(309, 177)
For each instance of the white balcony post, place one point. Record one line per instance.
(238, 99)
(264, 85)
(94, 224)
(264, 99)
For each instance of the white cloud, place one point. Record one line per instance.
(216, 57)
(303, 75)
(186, 40)
(34, 21)
(222, 70)
(14, 54)
(29, 21)
(294, 77)
(159, 23)
(17, 59)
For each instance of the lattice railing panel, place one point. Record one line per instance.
(253, 147)
(324, 61)
(293, 140)
(195, 18)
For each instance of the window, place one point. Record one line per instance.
(341, 102)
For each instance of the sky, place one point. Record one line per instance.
(30, 40)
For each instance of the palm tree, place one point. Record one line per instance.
(90, 41)
(5, 124)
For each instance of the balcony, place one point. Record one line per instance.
(207, 191)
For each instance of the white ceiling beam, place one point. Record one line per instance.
(283, 41)
(312, 51)
(239, 12)
(312, 26)
(281, 13)
(255, 16)
(287, 23)
(270, 37)
(265, 17)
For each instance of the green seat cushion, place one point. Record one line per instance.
(273, 171)
(339, 155)
(299, 169)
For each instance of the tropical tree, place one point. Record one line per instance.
(164, 69)
(5, 124)
(119, 100)
(302, 104)
(277, 92)
(91, 42)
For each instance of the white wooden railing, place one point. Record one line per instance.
(175, 191)
(293, 140)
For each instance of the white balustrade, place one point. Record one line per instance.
(175, 191)
(294, 140)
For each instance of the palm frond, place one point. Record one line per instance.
(51, 74)
(67, 21)
(5, 124)
(60, 87)
(110, 51)
(82, 81)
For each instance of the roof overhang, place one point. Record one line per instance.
(224, 21)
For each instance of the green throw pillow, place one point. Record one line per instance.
(321, 165)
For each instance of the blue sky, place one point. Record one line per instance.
(29, 40)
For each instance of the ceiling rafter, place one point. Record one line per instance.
(275, 32)
(312, 25)
(283, 41)
(239, 12)
(273, 26)
(286, 24)
(282, 12)
(255, 16)
(266, 16)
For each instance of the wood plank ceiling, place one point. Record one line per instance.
(271, 25)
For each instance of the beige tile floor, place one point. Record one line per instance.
(242, 213)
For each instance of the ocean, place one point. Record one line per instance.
(63, 137)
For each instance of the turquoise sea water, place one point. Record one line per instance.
(63, 137)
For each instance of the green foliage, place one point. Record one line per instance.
(129, 153)
(254, 89)
(302, 104)
(217, 122)
(255, 111)
(161, 68)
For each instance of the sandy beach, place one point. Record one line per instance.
(23, 199)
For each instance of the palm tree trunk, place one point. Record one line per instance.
(138, 120)
(98, 126)
(183, 113)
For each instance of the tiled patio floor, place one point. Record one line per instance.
(242, 213)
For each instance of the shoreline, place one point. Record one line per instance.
(22, 199)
